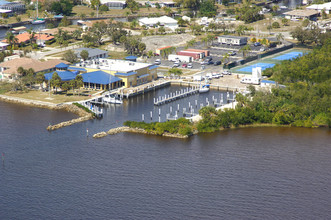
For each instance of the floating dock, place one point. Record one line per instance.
(176, 95)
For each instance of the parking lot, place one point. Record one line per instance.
(217, 53)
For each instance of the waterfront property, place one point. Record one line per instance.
(13, 7)
(112, 4)
(99, 80)
(131, 73)
(26, 37)
(8, 69)
(302, 14)
(326, 7)
(232, 40)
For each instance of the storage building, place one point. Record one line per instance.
(206, 52)
(232, 40)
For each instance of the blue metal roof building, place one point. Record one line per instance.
(101, 80)
(64, 75)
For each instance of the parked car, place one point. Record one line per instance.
(262, 49)
(226, 72)
(232, 53)
(189, 65)
(256, 44)
(176, 65)
(184, 65)
(208, 58)
(217, 75)
(210, 62)
(217, 63)
(157, 62)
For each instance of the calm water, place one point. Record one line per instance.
(260, 173)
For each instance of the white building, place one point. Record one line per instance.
(232, 40)
(165, 21)
(319, 8)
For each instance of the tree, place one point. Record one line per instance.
(40, 78)
(285, 21)
(64, 22)
(161, 30)
(56, 81)
(84, 54)
(208, 8)
(132, 5)
(141, 47)
(190, 4)
(10, 38)
(181, 22)
(62, 7)
(324, 14)
(245, 50)
(280, 37)
(77, 34)
(70, 56)
(79, 81)
(275, 25)
(175, 71)
(104, 8)
(241, 30)
(299, 34)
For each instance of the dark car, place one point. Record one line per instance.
(208, 59)
(256, 44)
(210, 62)
(217, 63)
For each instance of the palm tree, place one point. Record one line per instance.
(245, 50)
(241, 30)
(225, 57)
(280, 38)
(190, 43)
(10, 38)
(31, 35)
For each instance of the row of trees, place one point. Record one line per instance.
(66, 85)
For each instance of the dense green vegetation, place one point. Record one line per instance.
(180, 126)
(84, 108)
(305, 102)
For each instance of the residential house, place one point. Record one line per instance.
(165, 21)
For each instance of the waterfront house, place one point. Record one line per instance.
(26, 37)
(15, 7)
(302, 14)
(113, 4)
(3, 46)
(326, 7)
(8, 69)
(162, 3)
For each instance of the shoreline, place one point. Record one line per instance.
(83, 115)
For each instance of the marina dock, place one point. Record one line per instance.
(174, 96)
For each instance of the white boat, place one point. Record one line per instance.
(38, 21)
(112, 99)
(204, 88)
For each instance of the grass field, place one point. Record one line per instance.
(50, 97)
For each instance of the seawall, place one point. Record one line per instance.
(83, 115)
(134, 130)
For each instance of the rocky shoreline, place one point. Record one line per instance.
(83, 115)
(134, 130)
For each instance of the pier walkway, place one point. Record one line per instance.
(174, 96)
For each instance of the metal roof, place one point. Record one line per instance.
(61, 65)
(91, 51)
(99, 77)
(64, 75)
(76, 68)
(232, 37)
(153, 67)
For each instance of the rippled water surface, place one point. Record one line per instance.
(252, 173)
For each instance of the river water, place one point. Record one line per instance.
(251, 173)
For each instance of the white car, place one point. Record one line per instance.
(190, 65)
(217, 75)
(157, 62)
(226, 72)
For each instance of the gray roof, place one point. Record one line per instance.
(233, 37)
(91, 51)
